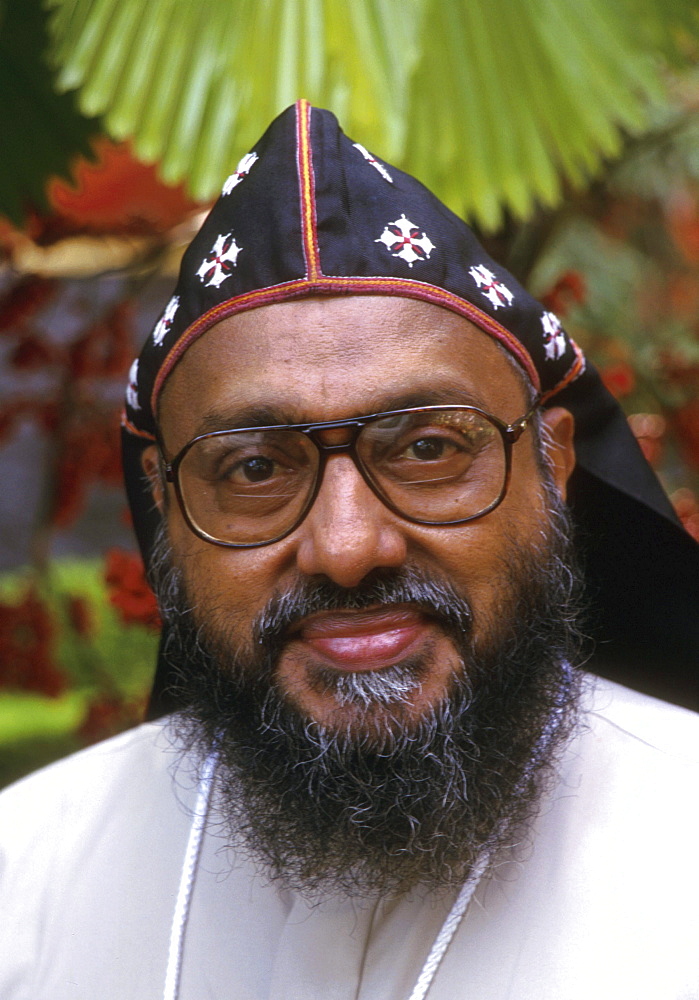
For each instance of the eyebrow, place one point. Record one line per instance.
(271, 415)
(444, 395)
(260, 415)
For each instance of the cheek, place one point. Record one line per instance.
(478, 557)
(228, 587)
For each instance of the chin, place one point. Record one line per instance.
(371, 703)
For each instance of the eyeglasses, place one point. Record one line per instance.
(434, 465)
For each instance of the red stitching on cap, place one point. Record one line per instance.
(575, 369)
(304, 160)
(132, 429)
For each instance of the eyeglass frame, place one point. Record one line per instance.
(510, 434)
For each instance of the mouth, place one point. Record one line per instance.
(371, 639)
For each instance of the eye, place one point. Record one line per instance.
(253, 470)
(250, 463)
(247, 472)
(429, 449)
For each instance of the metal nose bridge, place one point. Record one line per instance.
(326, 451)
(354, 426)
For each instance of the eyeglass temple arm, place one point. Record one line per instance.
(166, 469)
(517, 427)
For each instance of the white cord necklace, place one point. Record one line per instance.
(447, 932)
(188, 877)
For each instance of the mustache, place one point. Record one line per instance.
(422, 591)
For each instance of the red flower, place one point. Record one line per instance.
(128, 589)
(26, 647)
(118, 193)
(32, 352)
(80, 616)
(70, 491)
(568, 290)
(105, 349)
(23, 300)
(90, 451)
(619, 378)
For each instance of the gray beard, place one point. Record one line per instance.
(383, 805)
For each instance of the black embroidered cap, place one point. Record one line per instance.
(309, 212)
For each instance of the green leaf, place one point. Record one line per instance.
(495, 104)
(27, 716)
(42, 130)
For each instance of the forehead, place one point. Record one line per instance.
(330, 358)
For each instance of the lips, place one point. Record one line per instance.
(362, 640)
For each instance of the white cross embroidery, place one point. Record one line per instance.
(220, 261)
(405, 240)
(494, 290)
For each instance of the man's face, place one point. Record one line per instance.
(318, 360)
(384, 699)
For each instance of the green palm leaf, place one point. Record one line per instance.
(494, 103)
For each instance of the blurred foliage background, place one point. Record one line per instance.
(566, 132)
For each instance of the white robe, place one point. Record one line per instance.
(603, 905)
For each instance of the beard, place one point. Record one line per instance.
(381, 801)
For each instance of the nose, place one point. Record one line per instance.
(348, 532)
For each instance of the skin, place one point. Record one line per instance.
(325, 359)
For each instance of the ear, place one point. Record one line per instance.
(558, 431)
(151, 465)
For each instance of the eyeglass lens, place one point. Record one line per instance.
(435, 466)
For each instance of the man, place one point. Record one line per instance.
(348, 444)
